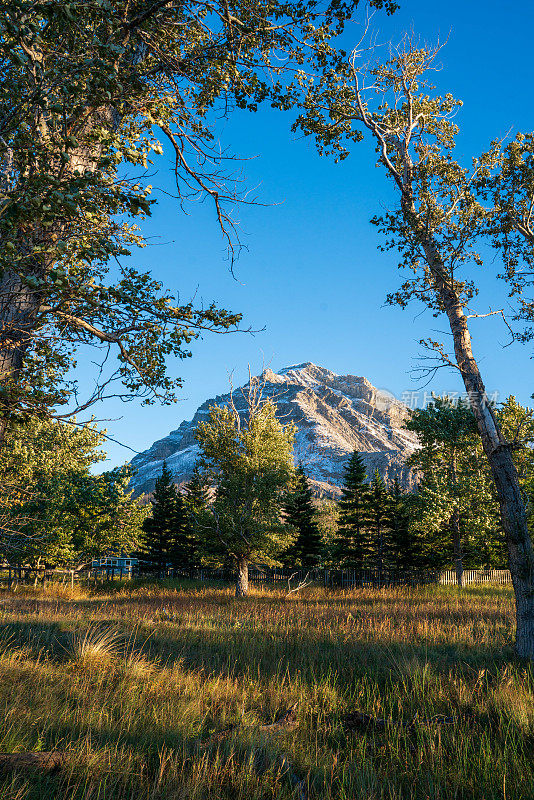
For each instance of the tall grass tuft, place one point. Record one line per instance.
(96, 646)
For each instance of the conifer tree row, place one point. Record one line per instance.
(405, 553)
(375, 530)
(350, 545)
(377, 522)
(306, 550)
(196, 498)
(381, 529)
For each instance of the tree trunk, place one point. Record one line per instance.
(241, 585)
(18, 308)
(457, 545)
(20, 305)
(498, 453)
(380, 553)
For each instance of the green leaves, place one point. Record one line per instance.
(83, 85)
(456, 479)
(248, 455)
(79, 88)
(52, 508)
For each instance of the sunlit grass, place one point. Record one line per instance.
(95, 647)
(166, 693)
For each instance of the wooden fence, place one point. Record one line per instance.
(330, 578)
(13, 576)
(471, 576)
(341, 578)
(345, 578)
(350, 578)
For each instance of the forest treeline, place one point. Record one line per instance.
(246, 502)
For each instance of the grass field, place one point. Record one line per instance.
(167, 693)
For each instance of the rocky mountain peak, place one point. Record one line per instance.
(334, 415)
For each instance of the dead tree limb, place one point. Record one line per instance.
(46, 761)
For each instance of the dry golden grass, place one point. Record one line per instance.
(168, 692)
(95, 647)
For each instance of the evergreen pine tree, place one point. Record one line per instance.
(307, 549)
(404, 552)
(196, 492)
(351, 542)
(378, 521)
(164, 529)
(181, 549)
(196, 498)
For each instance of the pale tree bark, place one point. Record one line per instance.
(241, 586)
(457, 547)
(497, 450)
(398, 130)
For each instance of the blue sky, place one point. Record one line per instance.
(312, 274)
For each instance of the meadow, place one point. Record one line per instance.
(188, 693)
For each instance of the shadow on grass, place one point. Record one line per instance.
(140, 752)
(250, 654)
(36, 637)
(238, 649)
(307, 656)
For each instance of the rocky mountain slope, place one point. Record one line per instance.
(334, 415)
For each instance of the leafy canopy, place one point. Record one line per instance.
(52, 508)
(248, 455)
(456, 482)
(87, 90)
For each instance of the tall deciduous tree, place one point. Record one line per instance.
(510, 223)
(248, 455)
(299, 509)
(86, 87)
(436, 227)
(517, 423)
(457, 493)
(53, 510)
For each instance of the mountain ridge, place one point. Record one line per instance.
(334, 415)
